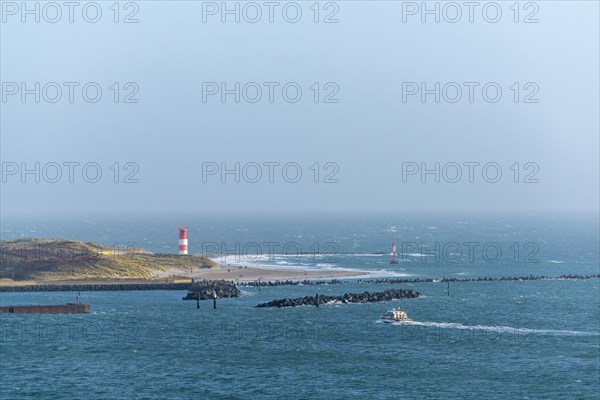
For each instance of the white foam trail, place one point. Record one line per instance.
(498, 328)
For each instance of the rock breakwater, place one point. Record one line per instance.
(366, 297)
(210, 289)
(307, 282)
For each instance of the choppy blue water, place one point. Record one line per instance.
(523, 339)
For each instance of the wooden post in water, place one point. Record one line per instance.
(317, 299)
(214, 300)
(198, 300)
(448, 287)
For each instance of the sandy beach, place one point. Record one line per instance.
(244, 274)
(231, 273)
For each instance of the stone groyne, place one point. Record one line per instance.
(307, 282)
(221, 287)
(227, 288)
(366, 297)
(95, 287)
(522, 278)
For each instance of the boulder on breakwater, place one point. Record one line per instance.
(366, 297)
(208, 289)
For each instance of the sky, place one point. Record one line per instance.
(346, 106)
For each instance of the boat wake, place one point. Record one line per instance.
(497, 328)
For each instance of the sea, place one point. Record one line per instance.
(516, 339)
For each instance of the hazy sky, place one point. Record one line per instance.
(174, 59)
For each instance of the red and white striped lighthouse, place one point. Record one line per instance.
(183, 240)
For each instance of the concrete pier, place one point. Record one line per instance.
(47, 309)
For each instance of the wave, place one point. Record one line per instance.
(364, 274)
(286, 265)
(318, 257)
(368, 254)
(384, 273)
(306, 262)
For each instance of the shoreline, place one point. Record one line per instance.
(237, 274)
